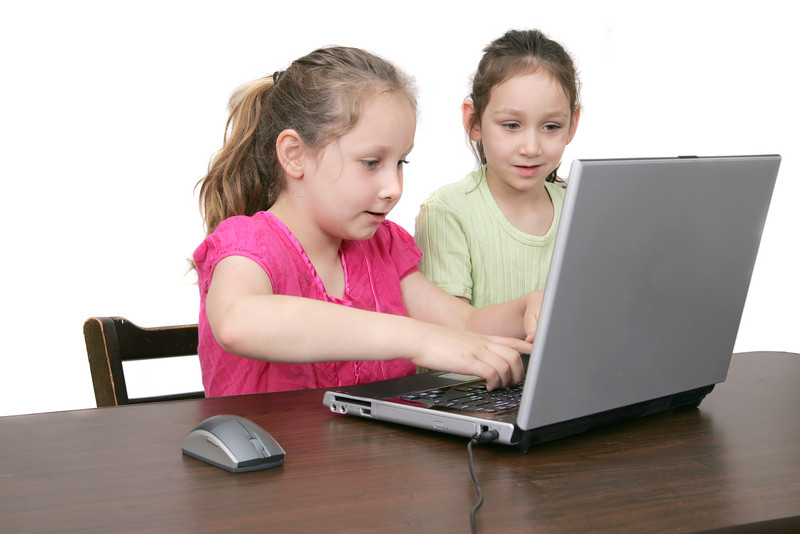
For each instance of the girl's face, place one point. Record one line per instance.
(524, 129)
(357, 179)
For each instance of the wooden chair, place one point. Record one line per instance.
(113, 340)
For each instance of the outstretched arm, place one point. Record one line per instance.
(427, 302)
(249, 320)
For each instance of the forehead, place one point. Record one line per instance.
(530, 89)
(383, 102)
(386, 119)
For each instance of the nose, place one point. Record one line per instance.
(391, 184)
(530, 143)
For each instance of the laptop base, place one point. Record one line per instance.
(525, 439)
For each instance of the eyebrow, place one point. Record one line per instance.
(386, 148)
(514, 111)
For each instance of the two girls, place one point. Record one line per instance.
(304, 283)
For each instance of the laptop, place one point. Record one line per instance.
(646, 288)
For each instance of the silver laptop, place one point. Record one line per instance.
(646, 289)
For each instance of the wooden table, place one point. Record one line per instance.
(733, 465)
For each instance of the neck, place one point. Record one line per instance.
(532, 198)
(321, 248)
(314, 241)
(530, 211)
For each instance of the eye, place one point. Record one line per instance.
(552, 127)
(370, 163)
(402, 162)
(511, 126)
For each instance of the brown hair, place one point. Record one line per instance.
(319, 95)
(520, 52)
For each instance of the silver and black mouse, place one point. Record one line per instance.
(233, 443)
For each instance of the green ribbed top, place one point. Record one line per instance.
(471, 250)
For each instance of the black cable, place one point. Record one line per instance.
(484, 437)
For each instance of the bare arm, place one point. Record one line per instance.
(427, 302)
(249, 320)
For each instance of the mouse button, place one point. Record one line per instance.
(268, 443)
(269, 449)
(212, 423)
(235, 435)
(270, 446)
(260, 447)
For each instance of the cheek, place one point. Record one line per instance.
(558, 143)
(497, 143)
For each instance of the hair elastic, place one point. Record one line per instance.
(276, 76)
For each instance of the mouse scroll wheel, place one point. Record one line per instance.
(259, 447)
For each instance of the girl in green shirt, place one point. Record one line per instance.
(489, 238)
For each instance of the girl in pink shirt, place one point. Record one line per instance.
(303, 282)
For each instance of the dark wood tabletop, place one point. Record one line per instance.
(731, 465)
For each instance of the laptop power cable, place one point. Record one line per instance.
(487, 436)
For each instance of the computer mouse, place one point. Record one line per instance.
(233, 443)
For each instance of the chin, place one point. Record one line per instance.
(363, 234)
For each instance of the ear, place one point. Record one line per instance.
(467, 114)
(573, 124)
(291, 150)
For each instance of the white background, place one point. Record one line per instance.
(111, 111)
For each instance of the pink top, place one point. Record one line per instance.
(372, 268)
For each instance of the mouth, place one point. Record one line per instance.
(528, 170)
(376, 215)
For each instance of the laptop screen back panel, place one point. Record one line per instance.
(649, 277)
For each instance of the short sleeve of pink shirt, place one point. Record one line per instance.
(373, 271)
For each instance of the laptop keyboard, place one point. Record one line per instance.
(473, 398)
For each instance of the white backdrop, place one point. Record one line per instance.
(111, 111)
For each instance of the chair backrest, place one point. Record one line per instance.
(113, 340)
